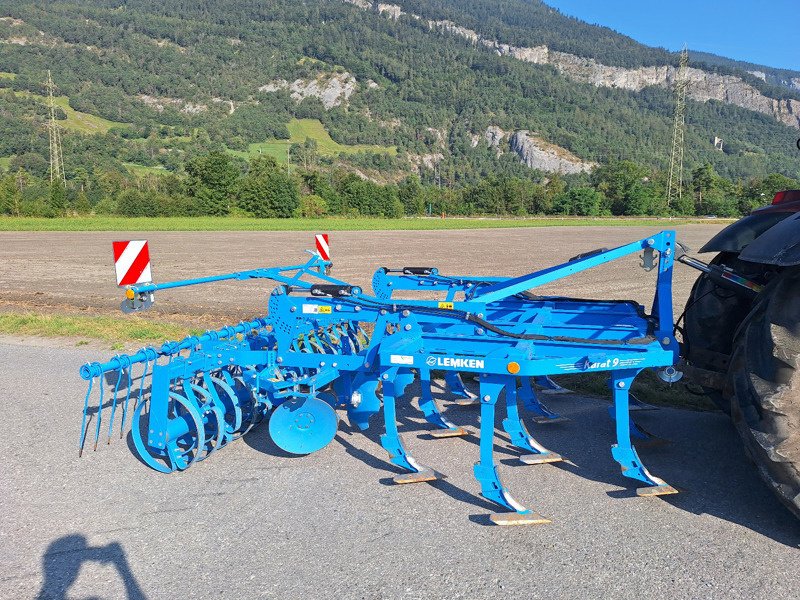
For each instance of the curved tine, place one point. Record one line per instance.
(332, 346)
(335, 338)
(349, 334)
(352, 334)
(238, 381)
(295, 345)
(310, 344)
(99, 414)
(144, 454)
(362, 336)
(141, 382)
(207, 407)
(82, 441)
(129, 370)
(114, 403)
(199, 440)
(316, 343)
(230, 401)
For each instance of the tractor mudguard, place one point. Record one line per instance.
(741, 233)
(780, 245)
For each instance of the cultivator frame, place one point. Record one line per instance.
(325, 344)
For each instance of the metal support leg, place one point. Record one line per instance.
(456, 386)
(520, 438)
(430, 409)
(531, 402)
(391, 440)
(487, 472)
(623, 452)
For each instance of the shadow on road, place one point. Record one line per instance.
(64, 557)
(703, 458)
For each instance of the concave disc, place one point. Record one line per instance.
(303, 426)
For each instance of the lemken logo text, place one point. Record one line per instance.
(458, 363)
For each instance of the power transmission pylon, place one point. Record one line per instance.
(675, 181)
(56, 157)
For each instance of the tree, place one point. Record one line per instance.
(760, 191)
(313, 206)
(582, 202)
(410, 194)
(58, 199)
(267, 192)
(212, 180)
(713, 195)
(626, 185)
(81, 205)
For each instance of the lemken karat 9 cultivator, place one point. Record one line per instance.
(326, 345)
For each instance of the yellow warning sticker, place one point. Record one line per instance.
(447, 305)
(317, 309)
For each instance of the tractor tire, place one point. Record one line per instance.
(765, 373)
(711, 318)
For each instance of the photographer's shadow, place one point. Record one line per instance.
(64, 557)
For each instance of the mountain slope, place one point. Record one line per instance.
(239, 71)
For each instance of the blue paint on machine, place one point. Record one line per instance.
(326, 346)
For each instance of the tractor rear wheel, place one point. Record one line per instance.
(765, 373)
(711, 317)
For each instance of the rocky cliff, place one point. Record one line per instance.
(539, 154)
(703, 85)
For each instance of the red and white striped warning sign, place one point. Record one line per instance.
(323, 248)
(132, 262)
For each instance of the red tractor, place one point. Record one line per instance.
(741, 336)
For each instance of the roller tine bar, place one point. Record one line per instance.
(82, 441)
(141, 383)
(128, 387)
(99, 412)
(114, 404)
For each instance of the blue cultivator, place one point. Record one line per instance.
(326, 345)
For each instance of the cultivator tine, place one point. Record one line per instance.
(113, 409)
(518, 433)
(549, 386)
(486, 470)
(393, 443)
(458, 389)
(99, 415)
(141, 385)
(430, 409)
(82, 440)
(532, 403)
(129, 371)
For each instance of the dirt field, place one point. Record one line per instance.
(73, 272)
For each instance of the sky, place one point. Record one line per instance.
(766, 33)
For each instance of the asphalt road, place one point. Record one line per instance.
(251, 522)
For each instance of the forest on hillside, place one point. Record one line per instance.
(154, 87)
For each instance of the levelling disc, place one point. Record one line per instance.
(303, 426)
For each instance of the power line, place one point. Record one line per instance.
(675, 181)
(54, 130)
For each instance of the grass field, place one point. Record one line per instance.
(76, 120)
(299, 130)
(114, 330)
(329, 224)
